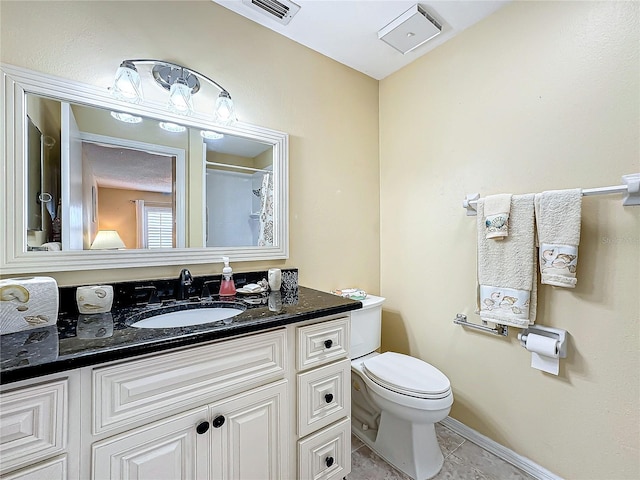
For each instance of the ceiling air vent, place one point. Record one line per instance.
(280, 11)
(410, 30)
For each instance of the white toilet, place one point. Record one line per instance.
(395, 399)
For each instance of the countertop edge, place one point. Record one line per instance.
(58, 366)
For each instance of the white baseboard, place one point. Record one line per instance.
(500, 451)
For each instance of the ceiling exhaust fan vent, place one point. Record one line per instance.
(410, 30)
(280, 11)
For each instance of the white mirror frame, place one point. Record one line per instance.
(15, 83)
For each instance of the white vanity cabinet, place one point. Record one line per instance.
(272, 405)
(217, 411)
(324, 399)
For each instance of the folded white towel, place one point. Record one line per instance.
(52, 246)
(496, 215)
(507, 270)
(558, 217)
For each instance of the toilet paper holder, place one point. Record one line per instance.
(550, 332)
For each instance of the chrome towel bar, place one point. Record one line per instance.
(631, 189)
(461, 319)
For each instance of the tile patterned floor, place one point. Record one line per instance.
(463, 460)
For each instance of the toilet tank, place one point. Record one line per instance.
(366, 326)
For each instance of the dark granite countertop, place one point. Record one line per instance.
(81, 340)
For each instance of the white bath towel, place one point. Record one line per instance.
(52, 246)
(558, 217)
(507, 270)
(496, 215)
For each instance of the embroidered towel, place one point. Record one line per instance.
(507, 270)
(496, 215)
(558, 215)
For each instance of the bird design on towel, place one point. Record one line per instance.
(547, 257)
(499, 300)
(550, 259)
(489, 303)
(563, 260)
(508, 302)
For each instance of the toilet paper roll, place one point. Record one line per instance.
(27, 303)
(545, 353)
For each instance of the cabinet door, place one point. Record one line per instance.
(169, 449)
(250, 435)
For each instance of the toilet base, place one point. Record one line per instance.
(412, 448)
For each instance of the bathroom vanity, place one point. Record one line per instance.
(266, 396)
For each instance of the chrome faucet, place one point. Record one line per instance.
(184, 287)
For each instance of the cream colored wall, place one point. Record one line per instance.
(539, 96)
(334, 176)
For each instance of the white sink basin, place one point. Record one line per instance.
(184, 318)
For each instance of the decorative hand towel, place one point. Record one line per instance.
(496, 215)
(507, 270)
(558, 215)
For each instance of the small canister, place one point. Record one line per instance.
(94, 299)
(274, 276)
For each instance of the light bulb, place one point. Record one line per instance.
(180, 97)
(125, 117)
(211, 135)
(126, 85)
(172, 127)
(224, 112)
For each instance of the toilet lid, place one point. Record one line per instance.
(407, 375)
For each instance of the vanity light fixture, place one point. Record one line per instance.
(126, 117)
(181, 82)
(172, 127)
(210, 135)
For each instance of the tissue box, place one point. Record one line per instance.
(27, 302)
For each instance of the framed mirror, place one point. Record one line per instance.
(162, 188)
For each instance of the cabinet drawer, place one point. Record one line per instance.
(55, 469)
(326, 455)
(130, 392)
(322, 343)
(33, 424)
(324, 396)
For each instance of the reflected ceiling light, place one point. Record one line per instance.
(210, 135)
(172, 127)
(181, 82)
(125, 117)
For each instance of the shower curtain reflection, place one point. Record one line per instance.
(265, 237)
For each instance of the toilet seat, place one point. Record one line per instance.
(407, 376)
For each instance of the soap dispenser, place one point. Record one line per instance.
(227, 286)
